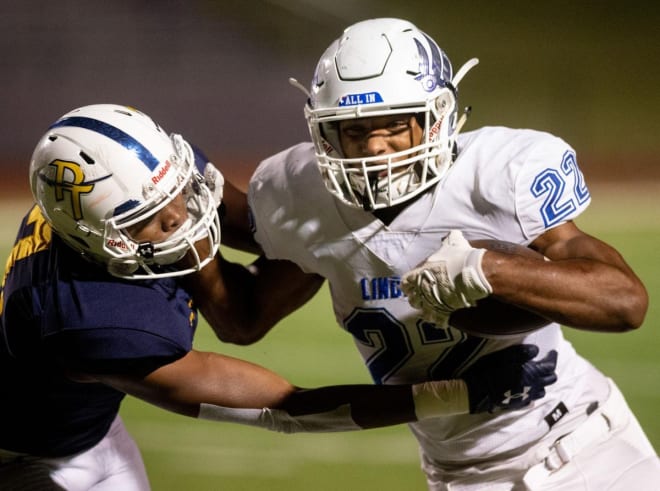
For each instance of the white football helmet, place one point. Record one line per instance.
(102, 168)
(384, 67)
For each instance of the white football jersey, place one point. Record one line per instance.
(506, 184)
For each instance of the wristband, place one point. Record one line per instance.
(440, 398)
(473, 274)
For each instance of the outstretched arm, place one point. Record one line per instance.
(217, 387)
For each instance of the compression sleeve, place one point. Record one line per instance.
(279, 420)
(429, 400)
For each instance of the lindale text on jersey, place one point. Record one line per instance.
(381, 288)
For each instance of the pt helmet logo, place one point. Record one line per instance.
(70, 178)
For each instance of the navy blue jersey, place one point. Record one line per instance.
(62, 315)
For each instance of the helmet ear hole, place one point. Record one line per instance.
(444, 101)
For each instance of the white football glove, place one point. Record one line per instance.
(450, 279)
(215, 181)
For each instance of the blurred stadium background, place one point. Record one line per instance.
(216, 71)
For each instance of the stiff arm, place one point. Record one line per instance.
(217, 387)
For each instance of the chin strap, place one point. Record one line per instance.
(462, 120)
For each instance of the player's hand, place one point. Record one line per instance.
(509, 378)
(450, 279)
(215, 181)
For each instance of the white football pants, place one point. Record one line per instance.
(607, 452)
(113, 463)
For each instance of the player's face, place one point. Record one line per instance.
(161, 225)
(382, 135)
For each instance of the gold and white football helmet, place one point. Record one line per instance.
(102, 168)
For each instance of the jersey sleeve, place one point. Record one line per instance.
(118, 327)
(279, 205)
(258, 200)
(549, 186)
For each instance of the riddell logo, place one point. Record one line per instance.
(161, 173)
(117, 243)
(435, 129)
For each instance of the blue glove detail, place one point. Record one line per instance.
(509, 378)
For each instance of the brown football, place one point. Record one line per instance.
(492, 317)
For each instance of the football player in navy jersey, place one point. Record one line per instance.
(93, 309)
(383, 204)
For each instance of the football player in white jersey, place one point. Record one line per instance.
(387, 183)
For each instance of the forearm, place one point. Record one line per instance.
(225, 294)
(221, 292)
(234, 313)
(273, 290)
(349, 408)
(583, 293)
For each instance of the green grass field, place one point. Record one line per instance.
(308, 348)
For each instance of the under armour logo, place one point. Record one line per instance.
(508, 396)
(146, 250)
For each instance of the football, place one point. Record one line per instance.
(492, 318)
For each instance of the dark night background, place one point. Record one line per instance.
(216, 71)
